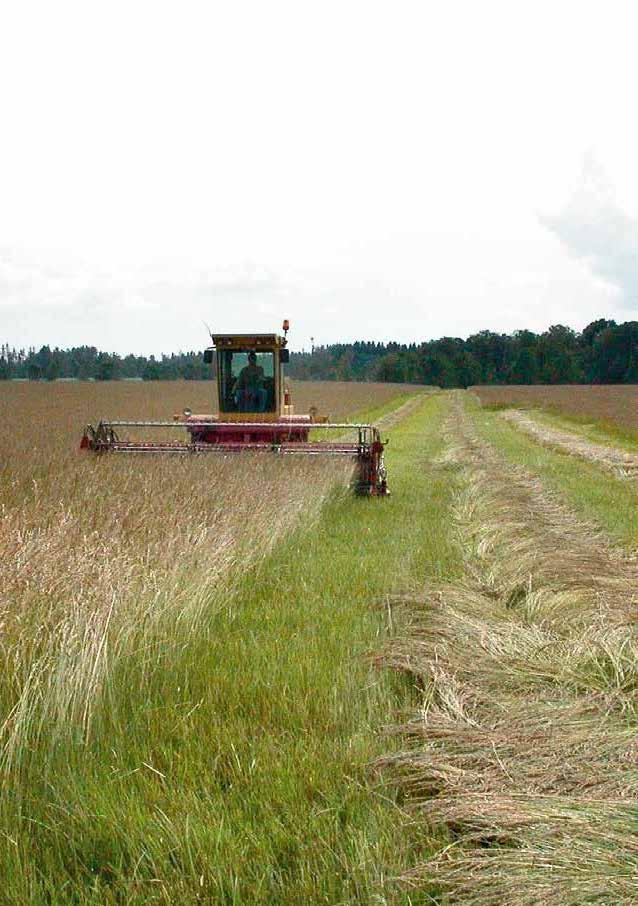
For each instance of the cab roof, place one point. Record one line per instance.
(248, 340)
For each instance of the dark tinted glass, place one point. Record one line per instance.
(247, 381)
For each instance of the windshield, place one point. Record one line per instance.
(247, 380)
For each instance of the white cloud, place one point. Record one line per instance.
(139, 309)
(595, 229)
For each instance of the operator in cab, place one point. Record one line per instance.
(249, 391)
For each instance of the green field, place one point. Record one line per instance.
(324, 699)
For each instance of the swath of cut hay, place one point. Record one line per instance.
(525, 747)
(621, 463)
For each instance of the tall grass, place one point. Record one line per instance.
(187, 709)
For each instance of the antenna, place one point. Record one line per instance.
(208, 330)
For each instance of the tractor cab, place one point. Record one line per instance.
(250, 392)
(250, 378)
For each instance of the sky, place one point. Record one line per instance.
(369, 170)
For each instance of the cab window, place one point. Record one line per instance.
(246, 381)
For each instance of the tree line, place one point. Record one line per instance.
(603, 353)
(86, 363)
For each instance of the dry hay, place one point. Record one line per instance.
(525, 746)
(613, 459)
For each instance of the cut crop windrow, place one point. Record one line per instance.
(525, 746)
(613, 459)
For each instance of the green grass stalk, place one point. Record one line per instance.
(231, 765)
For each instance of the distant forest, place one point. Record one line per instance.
(603, 353)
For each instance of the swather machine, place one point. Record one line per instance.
(255, 414)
